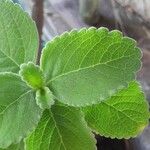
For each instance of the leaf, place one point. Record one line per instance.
(61, 128)
(18, 37)
(19, 113)
(44, 98)
(19, 146)
(124, 115)
(32, 75)
(87, 66)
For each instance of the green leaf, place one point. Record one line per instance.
(44, 98)
(18, 37)
(19, 113)
(32, 75)
(61, 128)
(87, 66)
(19, 146)
(124, 115)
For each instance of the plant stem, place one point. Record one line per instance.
(38, 17)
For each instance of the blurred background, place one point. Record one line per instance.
(132, 17)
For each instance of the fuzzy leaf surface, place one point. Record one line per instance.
(18, 37)
(19, 146)
(44, 98)
(61, 128)
(87, 66)
(124, 115)
(32, 75)
(19, 113)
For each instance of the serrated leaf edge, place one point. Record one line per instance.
(82, 119)
(111, 93)
(18, 6)
(124, 137)
(37, 98)
(22, 66)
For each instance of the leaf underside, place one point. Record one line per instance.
(18, 37)
(19, 113)
(124, 115)
(87, 66)
(61, 128)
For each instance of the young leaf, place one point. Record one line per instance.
(18, 37)
(61, 128)
(44, 98)
(32, 75)
(124, 115)
(87, 66)
(19, 113)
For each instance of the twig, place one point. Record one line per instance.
(38, 17)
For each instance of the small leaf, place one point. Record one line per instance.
(124, 115)
(18, 37)
(44, 98)
(61, 128)
(87, 66)
(32, 75)
(19, 113)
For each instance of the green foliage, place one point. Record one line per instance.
(32, 75)
(18, 37)
(44, 98)
(19, 146)
(62, 127)
(19, 113)
(87, 66)
(124, 115)
(91, 67)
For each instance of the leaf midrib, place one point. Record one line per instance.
(18, 29)
(42, 133)
(8, 44)
(7, 107)
(80, 69)
(53, 118)
(119, 112)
